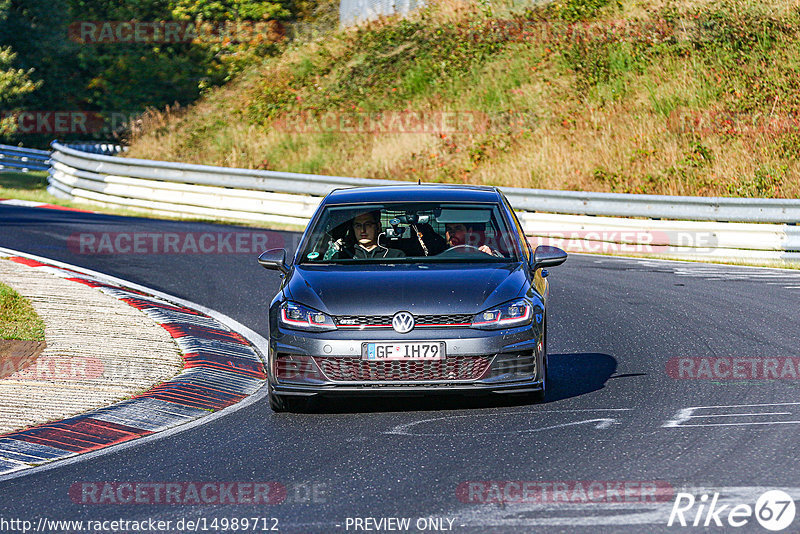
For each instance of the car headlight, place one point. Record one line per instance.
(515, 313)
(300, 317)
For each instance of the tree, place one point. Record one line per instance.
(47, 67)
(217, 10)
(14, 84)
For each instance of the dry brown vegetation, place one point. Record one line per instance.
(683, 98)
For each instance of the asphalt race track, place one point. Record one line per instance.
(614, 416)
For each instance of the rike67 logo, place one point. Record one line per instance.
(774, 510)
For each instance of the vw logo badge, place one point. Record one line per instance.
(402, 322)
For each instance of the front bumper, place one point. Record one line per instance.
(477, 361)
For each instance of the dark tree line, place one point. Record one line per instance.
(50, 70)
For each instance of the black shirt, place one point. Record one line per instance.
(360, 253)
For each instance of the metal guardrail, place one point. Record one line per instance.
(726, 209)
(690, 240)
(23, 159)
(686, 227)
(540, 200)
(105, 149)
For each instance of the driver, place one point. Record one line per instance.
(366, 229)
(458, 234)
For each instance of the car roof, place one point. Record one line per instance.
(414, 193)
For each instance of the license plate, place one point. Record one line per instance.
(430, 350)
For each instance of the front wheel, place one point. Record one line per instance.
(540, 395)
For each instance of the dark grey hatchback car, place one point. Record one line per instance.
(409, 289)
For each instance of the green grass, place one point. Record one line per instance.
(18, 320)
(25, 186)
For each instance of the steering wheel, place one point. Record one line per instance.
(462, 248)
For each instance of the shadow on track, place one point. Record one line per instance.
(571, 375)
(575, 374)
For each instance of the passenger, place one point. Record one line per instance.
(366, 230)
(459, 234)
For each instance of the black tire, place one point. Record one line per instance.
(539, 396)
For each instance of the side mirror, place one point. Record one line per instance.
(274, 259)
(546, 256)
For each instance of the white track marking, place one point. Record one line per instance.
(405, 429)
(787, 278)
(23, 203)
(684, 415)
(745, 414)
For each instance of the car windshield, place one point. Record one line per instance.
(409, 232)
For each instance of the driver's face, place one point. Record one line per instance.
(366, 230)
(456, 234)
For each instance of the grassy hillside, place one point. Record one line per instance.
(698, 98)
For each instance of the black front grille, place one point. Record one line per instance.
(385, 321)
(451, 368)
(452, 319)
(363, 320)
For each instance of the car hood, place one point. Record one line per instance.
(419, 289)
